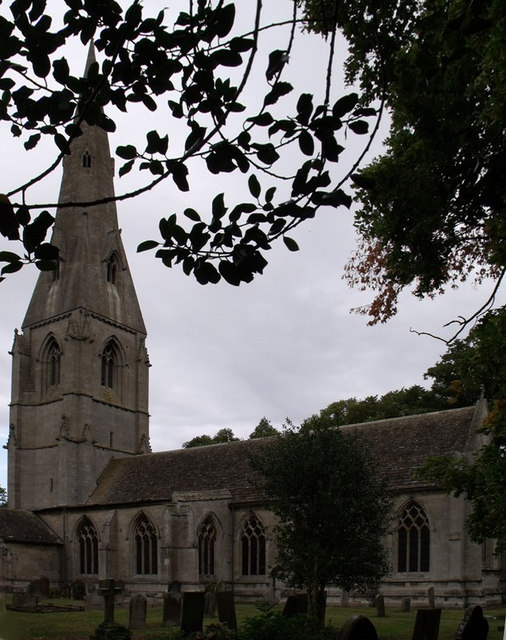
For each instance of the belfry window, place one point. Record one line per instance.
(86, 159)
(51, 359)
(112, 269)
(413, 540)
(253, 547)
(109, 372)
(207, 540)
(88, 547)
(146, 547)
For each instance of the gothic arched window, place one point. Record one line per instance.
(86, 159)
(109, 365)
(413, 540)
(112, 268)
(207, 540)
(87, 539)
(253, 547)
(51, 361)
(146, 546)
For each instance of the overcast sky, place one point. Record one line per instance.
(283, 346)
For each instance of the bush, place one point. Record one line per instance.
(111, 632)
(274, 626)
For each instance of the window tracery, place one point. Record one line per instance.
(146, 547)
(207, 542)
(413, 540)
(88, 547)
(253, 547)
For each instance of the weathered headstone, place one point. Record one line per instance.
(432, 600)
(406, 605)
(295, 604)
(345, 599)
(78, 589)
(226, 609)
(93, 601)
(427, 624)
(379, 602)
(109, 588)
(23, 600)
(39, 587)
(137, 612)
(175, 588)
(171, 609)
(192, 613)
(358, 628)
(474, 626)
(210, 604)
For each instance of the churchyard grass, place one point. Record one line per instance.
(80, 625)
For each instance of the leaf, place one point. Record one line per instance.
(179, 174)
(335, 198)
(126, 168)
(344, 105)
(262, 120)
(9, 226)
(362, 181)
(12, 267)
(127, 152)
(304, 108)
(225, 22)
(47, 251)
(192, 215)
(254, 186)
(147, 245)
(266, 153)
(359, 126)
(278, 90)
(277, 60)
(205, 272)
(32, 141)
(8, 256)
(218, 206)
(290, 243)
(226, 58)
(306, 143)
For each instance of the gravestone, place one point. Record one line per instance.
(192, 613)
(406, 605)
(295, 604)
(226, 609)
(78, 589)
(171, 609)
(137, 612)
(22, 600)
(474, 626)
(358, 628)
(427, 624)
(432, 602)
(209, 604)
(345, 599)
(108, 589)
(93, 601)
(39, 587)
(174, 588)
(379, 602)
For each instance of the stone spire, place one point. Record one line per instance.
(91, 250)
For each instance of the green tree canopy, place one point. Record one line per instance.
(332, 506)
(220, 437)
(263, 429)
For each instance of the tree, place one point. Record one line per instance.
(402, 402)
(3, 497)
(433, 205)
(481, 478)
(196, 66)
(264, 429)
(332, 506)
(220, 437)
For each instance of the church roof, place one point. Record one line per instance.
(25, 527)
(399, 445)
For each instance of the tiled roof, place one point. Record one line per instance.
(399, 446)
(24, 526)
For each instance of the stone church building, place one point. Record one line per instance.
(89, 500)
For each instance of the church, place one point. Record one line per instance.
(89, 500)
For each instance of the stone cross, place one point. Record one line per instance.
(109, 588)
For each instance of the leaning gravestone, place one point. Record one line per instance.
(137, 612)
(474, 626)
(358, 628)
(192, 613)
(226, 609)
(295, 605)
(379, 602)
(171, 609)
(406, 605)
(432, 600)
(427, 624)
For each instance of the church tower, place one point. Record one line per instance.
(80, 365)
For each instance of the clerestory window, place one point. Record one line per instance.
(110, 366)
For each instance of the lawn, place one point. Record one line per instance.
(80, 625)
